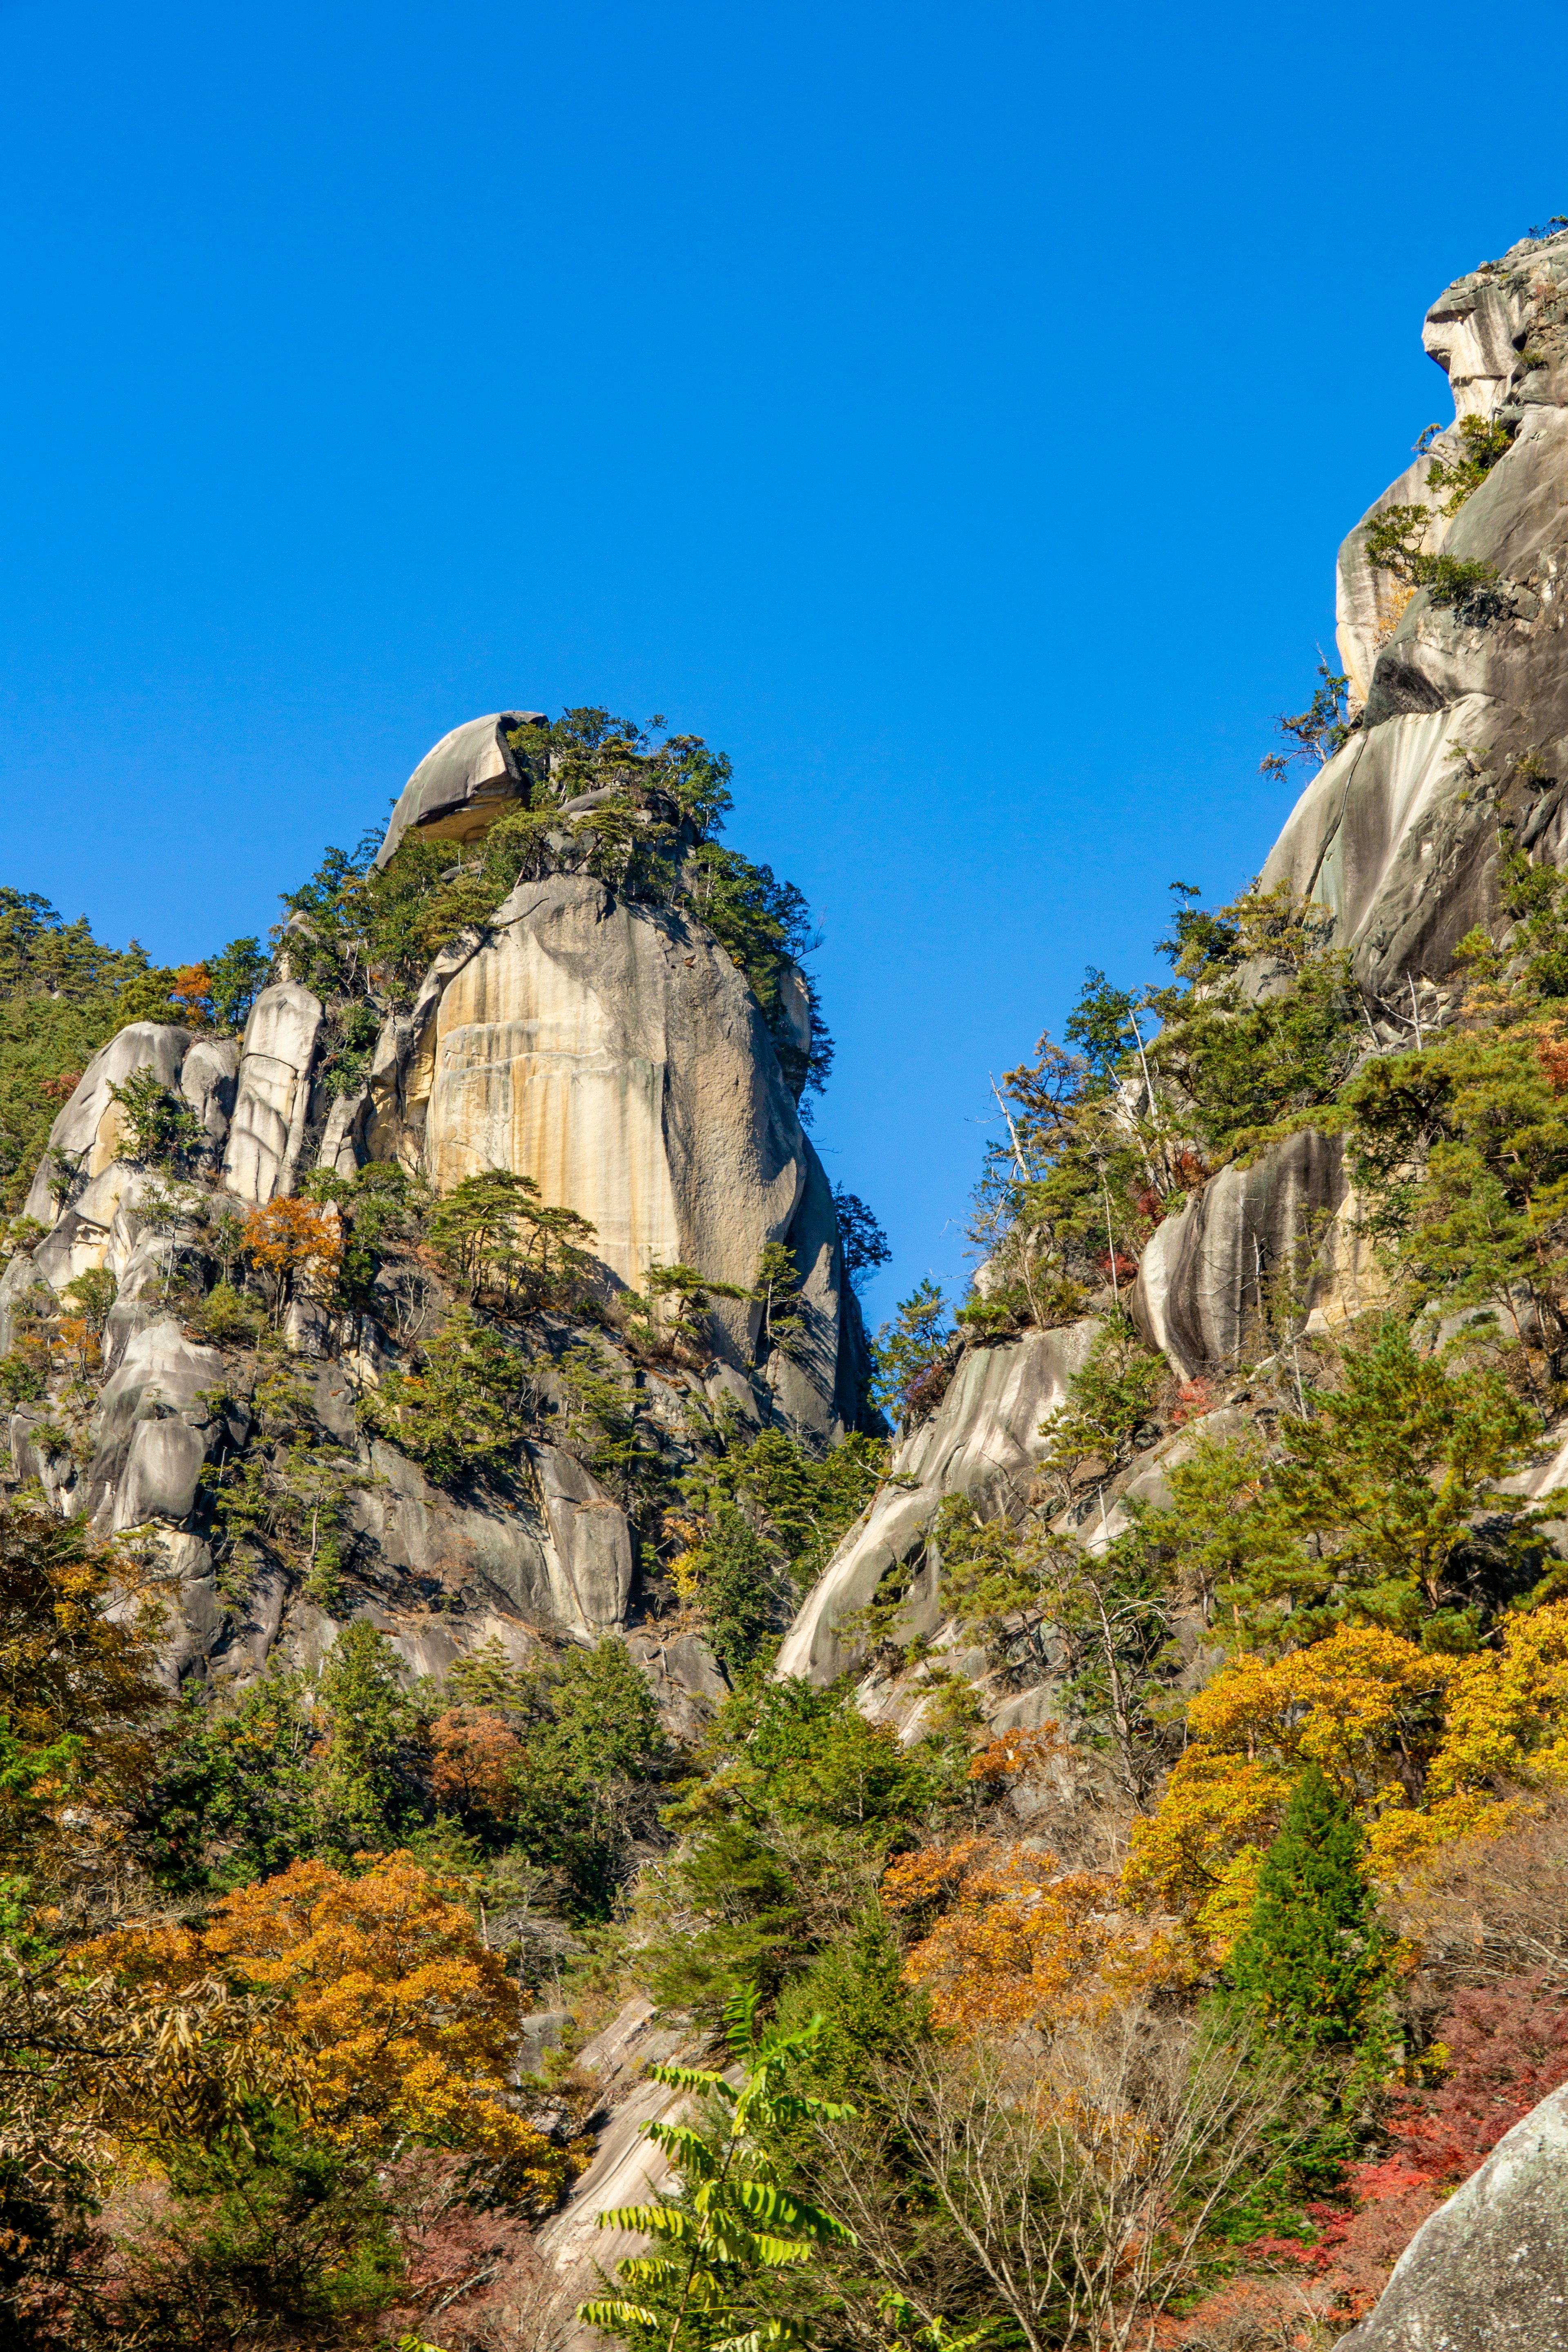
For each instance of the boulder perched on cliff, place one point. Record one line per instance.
(462, 785)
(1489, 2272)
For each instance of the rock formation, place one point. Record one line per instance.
(1459, 718)
(1489, 2272)
(1462, 706)
(603, 1046)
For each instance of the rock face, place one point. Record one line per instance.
(461, 787)
(614, 1054)
(1489, 2272)
(272, 1105)
(610, 1051)
(86, 1135)
(1258, 1253)
(982, 1440)
(1398, 833)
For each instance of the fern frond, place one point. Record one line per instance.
(613, 2317)
(693, 2078)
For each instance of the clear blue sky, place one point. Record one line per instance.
(951, 412)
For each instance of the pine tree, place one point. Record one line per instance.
(1313, 1958)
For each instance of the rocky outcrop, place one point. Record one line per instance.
(1489, 2272)
(1463, 707)
(272, 1101)
(982, 1440)
(610, 1051)
(154, 1431)
(461, 787)
(1260, 1254)
(614, 1054)
(86, 1138)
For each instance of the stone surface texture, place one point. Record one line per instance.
(272, 1101)
(461, 787)
(1398, 834)
(1252, 1256)
(1489, 2272)
(984, 1441)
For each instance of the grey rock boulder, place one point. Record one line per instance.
(90, 1129)
(589, 1556)
(1489, 2272)
(1209, 1288)
(272, 1100)
(154, 1433)
(561, 1557)
(208, 1081)
(461, 787)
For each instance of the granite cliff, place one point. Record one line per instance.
(588, 1035)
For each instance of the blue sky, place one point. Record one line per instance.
(951, 412)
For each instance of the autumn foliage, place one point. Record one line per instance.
(402, 2023)
(298, 1247)
(1015, 1937)
(1418, 1742)
(473, 1758)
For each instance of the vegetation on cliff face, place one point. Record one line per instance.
(1083, 2035)
(363, 935)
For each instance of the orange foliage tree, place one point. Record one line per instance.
(299, 1247)
(473, 1755)
(1015, 1937)
(1419, 1743)
(402, 2025)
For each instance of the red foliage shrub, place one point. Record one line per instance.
(1505, 2049)
(1248, 2315)
(1126, 1268)
(1194, 1399)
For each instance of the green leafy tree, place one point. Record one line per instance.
(1317, 732)
(57, 991)
(159, 1130)
(235, 977)
(1483, 442)
(492, 1231)
(864, 1243)
(911, 1354)
(794, 1805)
(1108, 1404)
(585, 1787)
(1313, 1960)
(233, 1796)
(777, 1291)
(459, 1412)
(799, 1504)
(683, 1299)
(707, 2290)
(370, 1783)
(1394, 543)
(603, 1430)
(1365, 1511)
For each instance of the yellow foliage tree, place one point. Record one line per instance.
(77, 1696)
(400, 2022)
(1018, 1938)
(1424, 1748)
